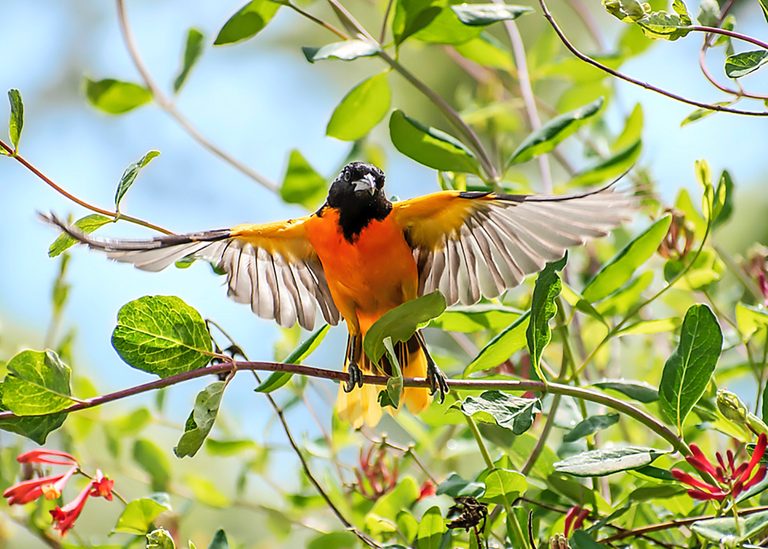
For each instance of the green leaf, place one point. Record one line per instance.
(130, 174)
(160, 539)
(161, 335)
(87, 224)
(625, 264)
(474, 318)
(723, 199)
(219, 540)
(580, 539)
(725, 531)
(543, 309)
(16, 121)
(503, 486)
(345, 51)
(139, 514)
(590, 426)
(334, 540)
(114, 96)
(193, 49)
(750, 319)
(688, 371)
(207, 491)
(430, 146)
(153, 460)
(247, 22)
(431, 528)
(37, 384)
(501, 347)
(486, 14)
(306, 348)
(608, 168)
(395, 382)
(361, 109)
(636, 390)
(411, 16)
(455, 486)
(386, 507)
(513, 413)
(632, 131)
(744, 63)
(36, 428)
(764, 7)
(402, 322)
(488, 51)
(200, 421)
(553, 132)
(598, 463)
(301, 183)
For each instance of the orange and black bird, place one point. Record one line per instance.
(361, 255)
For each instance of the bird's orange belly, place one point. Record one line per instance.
(369, 276)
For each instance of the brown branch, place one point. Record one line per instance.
(458, 384)
(613, 72)
(48, 181)
(169, 107)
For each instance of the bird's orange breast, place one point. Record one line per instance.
(368, 276)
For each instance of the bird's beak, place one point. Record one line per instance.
(367, 183)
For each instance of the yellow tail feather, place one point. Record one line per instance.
(361, 405)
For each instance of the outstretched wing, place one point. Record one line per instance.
(272, 266)
(473, 244)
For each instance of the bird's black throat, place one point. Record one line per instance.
(356, 212)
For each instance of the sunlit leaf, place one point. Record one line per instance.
(488, 51)
(301, 183)
(503, 486)
(431, 528)
(161, 335)
(486, 14)
(689, 369)
(114, 96)
(87, 224)
(744, 63)
(473, 318)
(247, 22)
(278, 379)
(598, 463)
(620, 268)
(501, 347)
(361, 109)
(608, 168)
(543, 309)
(553, 132)
(345, 51)
(402, 322)
(37, 383)
(429, 146)
(207, 491)
(725, 530)
(513, 413)
(139, 514)
(160, 539)
(130, 174)
(200, 421)
(193, 49)
(16, 121)
(36, 428)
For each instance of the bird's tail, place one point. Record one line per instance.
(361, 405)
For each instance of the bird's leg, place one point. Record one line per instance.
(354, 371)
(438, 383)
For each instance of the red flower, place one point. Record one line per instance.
(41, 455)
(731, 480)
(102, 486)
(574, 519)
(427, 489)
(379, 472)
(30, 490)
(64, 517)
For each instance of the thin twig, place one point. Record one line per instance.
(613, 72)
(48, 181)
(169, 107)
(458, 384)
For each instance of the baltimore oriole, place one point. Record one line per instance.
(361, 255)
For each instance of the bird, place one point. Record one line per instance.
(360, 255)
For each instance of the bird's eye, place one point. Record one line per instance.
(347, 176)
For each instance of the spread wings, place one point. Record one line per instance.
(473, 244)
(271, 266)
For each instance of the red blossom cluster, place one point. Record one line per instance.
(574, 519)
(376, 474)
(732, 480)
(51, 486)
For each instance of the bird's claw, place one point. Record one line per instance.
(355, 377)
(438, 383)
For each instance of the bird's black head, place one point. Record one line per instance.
(358, 194)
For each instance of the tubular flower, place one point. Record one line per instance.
(42, 455)
(29, 490)
(427, 489)
(732, 480)
(64, 517)
(102, 486)
(376, 472)
(574, 519)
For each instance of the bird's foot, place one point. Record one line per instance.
(355, 377)
(438, 383)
